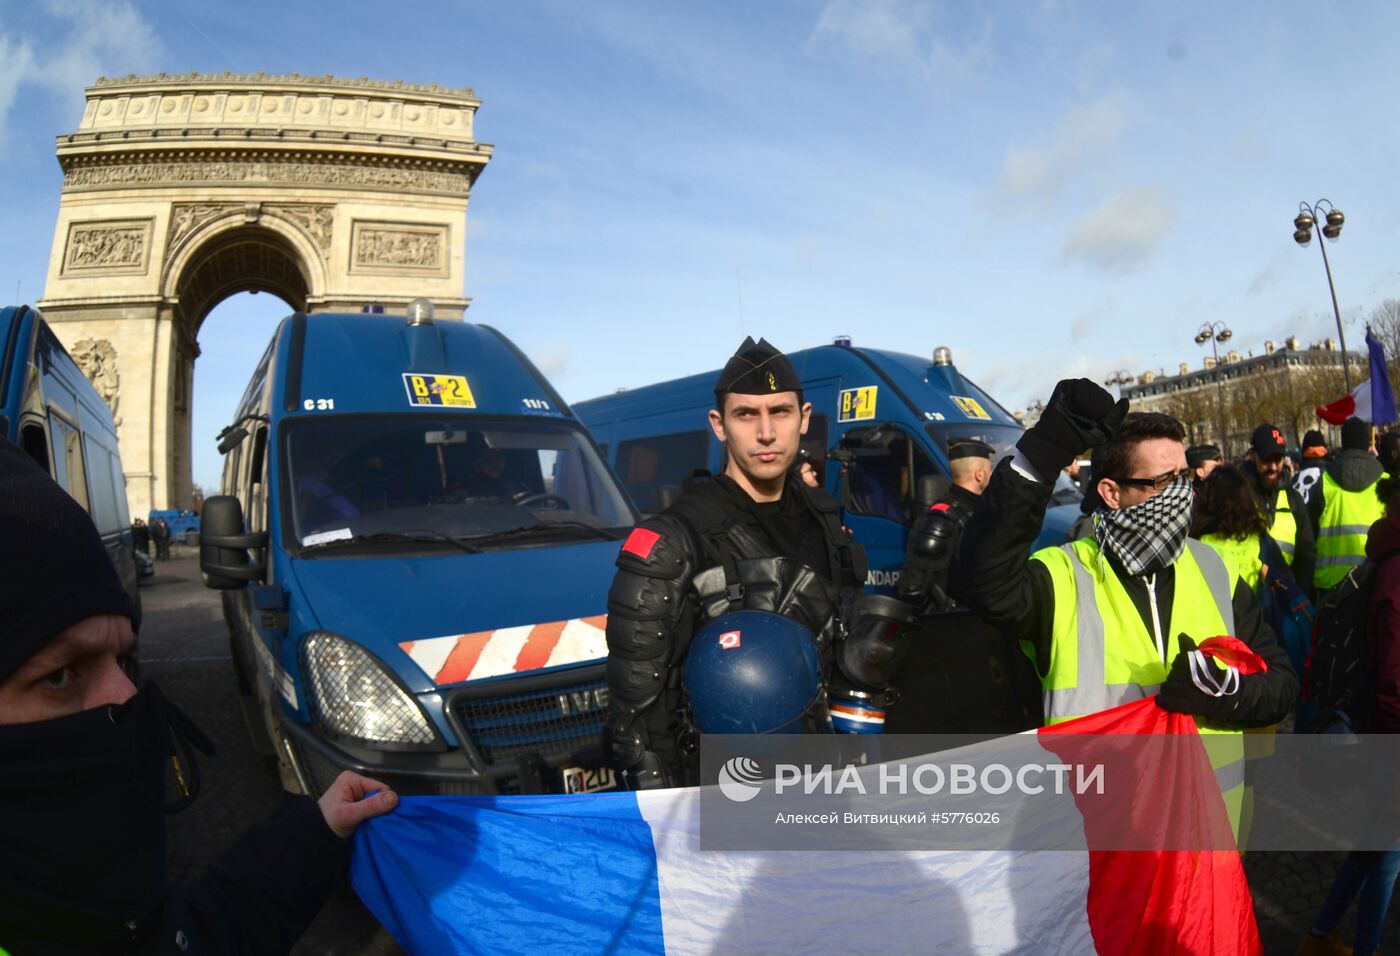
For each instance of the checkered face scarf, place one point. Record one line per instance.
(1151, 535)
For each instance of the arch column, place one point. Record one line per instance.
(182, 190)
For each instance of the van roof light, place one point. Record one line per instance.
(943, 355)
(420, 312)
(842, 341)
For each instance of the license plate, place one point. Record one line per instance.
(588, 779)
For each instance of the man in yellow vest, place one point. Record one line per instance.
(1343, 506)
(1284, 509)
(1113, 618)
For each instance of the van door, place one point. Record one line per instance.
(881, 476)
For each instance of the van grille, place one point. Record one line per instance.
(548, 721)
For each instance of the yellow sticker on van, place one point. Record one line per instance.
(971, 407)
(450, 390)
(857, 404)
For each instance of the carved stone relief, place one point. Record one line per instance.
(398, 247)
(276, 173)
(315, 221)
(185, 218)
(108, 246)
(97, 358)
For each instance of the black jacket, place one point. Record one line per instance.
(994, 576)
(932, 546)
(669, 582)
(1305, 546)
(1355, 469)
(257, 899)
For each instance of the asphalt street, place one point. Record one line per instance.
(184, 645)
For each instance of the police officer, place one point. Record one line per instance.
(753, 538)
(1343, 505)
(1116, 617)
(1284, 509)
(933, 541)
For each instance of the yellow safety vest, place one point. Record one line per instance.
(1241, 556)
(1102, 655)
(1346, 519)
(1284, 529)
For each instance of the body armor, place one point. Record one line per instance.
(682, 569)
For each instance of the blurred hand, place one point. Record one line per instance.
(345, 805)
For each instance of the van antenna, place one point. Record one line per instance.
(739, 291)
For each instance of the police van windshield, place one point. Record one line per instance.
(393, 481)
(1002, 438)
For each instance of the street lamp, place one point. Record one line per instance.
(1302, 234)
(1120, 377)
(1215, 333)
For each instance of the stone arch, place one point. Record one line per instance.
(180, 191)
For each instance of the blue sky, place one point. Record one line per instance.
(1048, 188)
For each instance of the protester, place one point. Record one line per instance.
(1138, 596)
(1388, 452)
(1314, 455)
(86, 760)
(1202, 460)
(1368, 877)
(1284, 509)
(1343, 504)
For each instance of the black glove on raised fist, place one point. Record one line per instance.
(1180, 694)
(1079, 415)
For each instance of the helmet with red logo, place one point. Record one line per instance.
(754, 672)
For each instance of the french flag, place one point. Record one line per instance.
(625, 874)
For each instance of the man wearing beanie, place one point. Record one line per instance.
(89, 767)
(777, 544)
(1285, 511)
(1314, 459)
(1202, 460)
(1344, 505)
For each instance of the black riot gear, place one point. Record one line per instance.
(933, 543)
(710, 554)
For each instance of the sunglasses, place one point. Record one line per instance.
(1156, 484)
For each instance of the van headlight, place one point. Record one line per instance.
(353, 695)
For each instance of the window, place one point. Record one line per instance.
(651, 467)
(35, 444)
(68, 459)
(102, 486)
(885, 473)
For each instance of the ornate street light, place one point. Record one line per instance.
(1308, 217)
(1120, 377)
(1215, 333)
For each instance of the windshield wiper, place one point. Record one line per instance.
(572, 528)
(422, 537)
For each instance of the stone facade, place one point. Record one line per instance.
(179, 191)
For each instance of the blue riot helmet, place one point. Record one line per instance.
(753, 672)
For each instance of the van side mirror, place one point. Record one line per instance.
(931, 488)
(223, 546)
(230, 437)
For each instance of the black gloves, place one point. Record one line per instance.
(1181, 694)
(1079, 415)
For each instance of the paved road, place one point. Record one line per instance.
(184, 645)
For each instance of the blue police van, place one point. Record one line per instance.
(415, 541)
(183, 523)
(884, 419)
(50, 409)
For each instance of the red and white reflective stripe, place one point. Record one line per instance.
(510, 650)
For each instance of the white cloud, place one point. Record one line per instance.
(96, 39)
(901, 32)
(1080, 140)
(1087, 321)
(553, 363)
(1123, 232)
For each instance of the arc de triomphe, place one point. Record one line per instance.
(179, 191)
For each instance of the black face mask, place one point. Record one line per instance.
(82, 828)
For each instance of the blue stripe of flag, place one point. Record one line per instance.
(518, 875)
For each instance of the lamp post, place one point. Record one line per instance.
(1302, 234)
(1120, 377)
(1215, 333)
